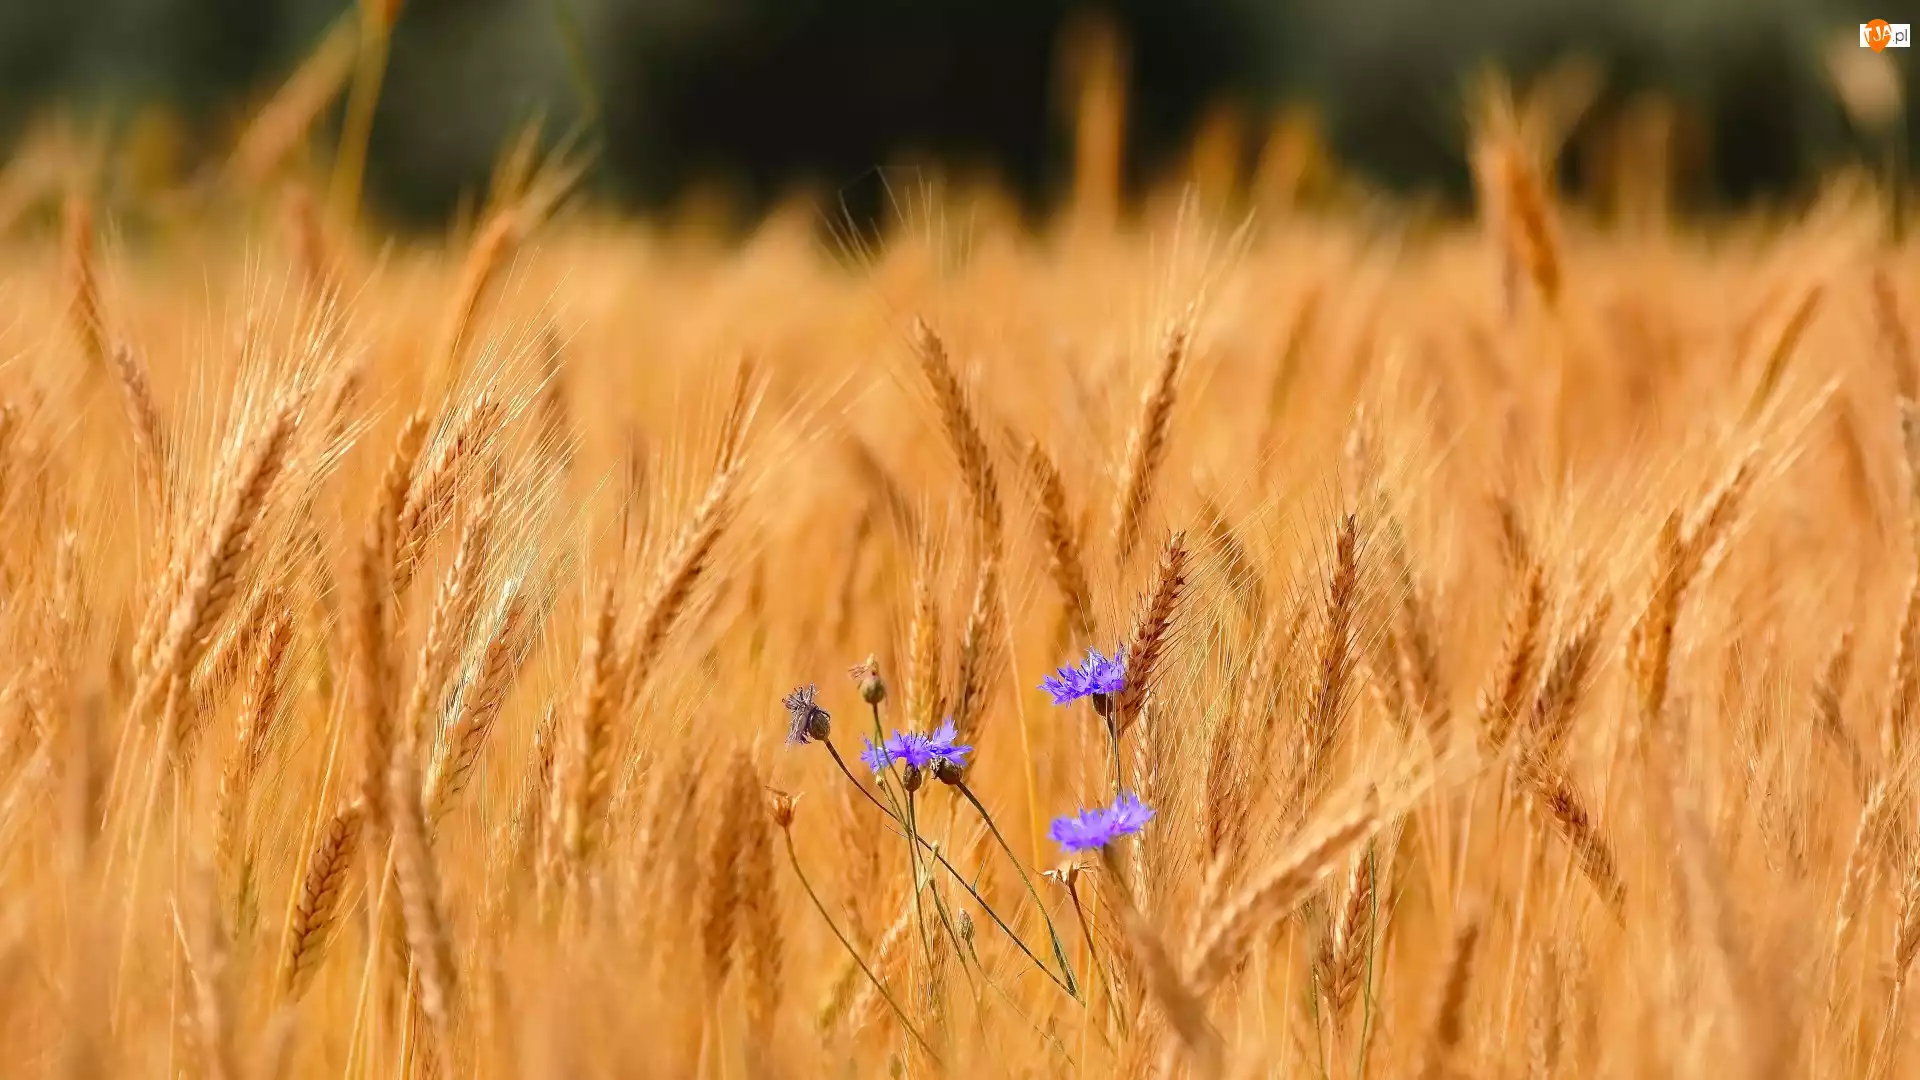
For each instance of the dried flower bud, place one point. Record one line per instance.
(873, 689)
(1066, 875)
(780, 805)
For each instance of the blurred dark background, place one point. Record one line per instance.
(763, 94)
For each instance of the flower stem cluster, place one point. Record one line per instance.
(941, 755)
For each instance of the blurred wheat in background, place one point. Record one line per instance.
(588, 647)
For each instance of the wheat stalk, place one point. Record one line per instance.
(84, 313)
(590, 726)
(1328, 703)
(761, 941)
(259, 709)
(143, 421)
(1502, 701)
(737, 816)
(1565, 683)
(480, 703)
(435, 483)
(322, 890)
(687, 559)
(430, 946)
(978, 654)
(1448, 1025)
(1147, 441)
(923, 700)
(454, 607)
(1556, 796)
(1275, 890)
(1063, 543)
(962, 429)
(1152, 632)
(371, 686)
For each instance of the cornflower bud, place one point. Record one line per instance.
(873, 689)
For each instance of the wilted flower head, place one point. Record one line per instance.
(1066, 875)
(806, 720)
(780, 805)
(1093, 829)
(1097, 676)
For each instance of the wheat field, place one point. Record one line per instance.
(408, 642)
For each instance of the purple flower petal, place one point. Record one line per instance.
(910, 748)
(1097, 827)
(941, 745)
(1095, 675)
(917, 750)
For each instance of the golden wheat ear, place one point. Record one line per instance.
(1151, 637)
(526, 190)
(1064, 564)
(1147, 441)
(318, 901)
(962, 428)
(84, 311)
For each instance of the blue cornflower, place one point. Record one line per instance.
(1096, 828)
(1096, 677)
(922, 751)
(918, 751)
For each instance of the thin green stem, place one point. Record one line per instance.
(794, 857)
(1017, 1010)
(1093, 960)
(1113, 744)
(1312, 991)
(946, 922)
(1059, 949)
(913, 871)
(857, 785)
(880, 739)
(939, 905)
